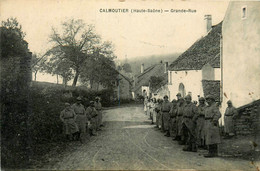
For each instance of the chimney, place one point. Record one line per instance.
(208, 22)
(166, 67)
(142, 68)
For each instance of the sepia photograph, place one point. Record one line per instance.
(130, 85)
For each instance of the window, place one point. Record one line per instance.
(244, 12)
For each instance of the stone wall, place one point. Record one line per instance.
(248, 120)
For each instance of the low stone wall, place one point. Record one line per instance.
(248, 120)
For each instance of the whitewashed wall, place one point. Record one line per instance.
(241, 54)
(191, 80)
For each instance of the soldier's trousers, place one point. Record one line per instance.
(157, 118)
(99, 118)
(166, 118)
(188, 138)
(172, 127)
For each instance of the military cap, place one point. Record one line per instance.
(181, 98)
(229, 102)
(178, 94)
(201, 99)
(188, 97)
(210, 97)
(91, 102)
(97, 98)
(165, 96)
(67, 104)
(79, 98)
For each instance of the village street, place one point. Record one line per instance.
(129, 141)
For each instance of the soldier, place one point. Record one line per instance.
(68, 118)
(145, 105)
(230, 114)
(212, 133)
(160, 121)
(180, 106)
(153, 104)
(200, 119)
(81, 118)
(98, 107)
(92, 115)
(189, 113)
(166, 107)
(157, 110)
(173, 114)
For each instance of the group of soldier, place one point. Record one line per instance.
(80, 122)
(194, 126)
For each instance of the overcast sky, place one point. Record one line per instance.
(133, 34)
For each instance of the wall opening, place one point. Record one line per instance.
(182, 89)
(244, 12)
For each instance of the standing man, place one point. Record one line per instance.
(81, 118)
(200, 119)
(68, 117)
(189, 113)
(92, 115)
(173, 114)
(180, 106)
(166, 107)
(230, 114)
(212, 115)
(98, 107)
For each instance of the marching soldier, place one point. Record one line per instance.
(98, 107)
(230, 114)
(81, 118)
(212, 115)
(180, 106)
(68, 118)
(166, 107)
(189, 113)
(92, 115)
(173, 114)
(200, 119)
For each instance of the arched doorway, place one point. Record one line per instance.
(182, 90)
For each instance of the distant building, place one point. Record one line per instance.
(197, 71)
(142, 81)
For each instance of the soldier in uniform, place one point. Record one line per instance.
(157, 110)
(166, 107)
(92, 115)
(200, 119)
(68, 118)
(98, 107)
(160, 121)
(189, 113)
(212, 115)
(230, 114)
(81, 118)
(173, 114)
(180, 105)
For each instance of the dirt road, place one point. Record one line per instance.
(129, 141)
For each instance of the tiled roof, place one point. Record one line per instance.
(205, 50)
(143, 78)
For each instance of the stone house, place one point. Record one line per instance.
(197, 71)
(241, 63)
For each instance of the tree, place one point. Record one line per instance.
(38, 64)
(100, 67)
(74, 45)
(155, 82)
(127, 68)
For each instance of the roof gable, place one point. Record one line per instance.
(205, 50)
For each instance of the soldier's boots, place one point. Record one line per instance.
(167, 134)
(213, 151)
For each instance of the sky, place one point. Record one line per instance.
(133, 34)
